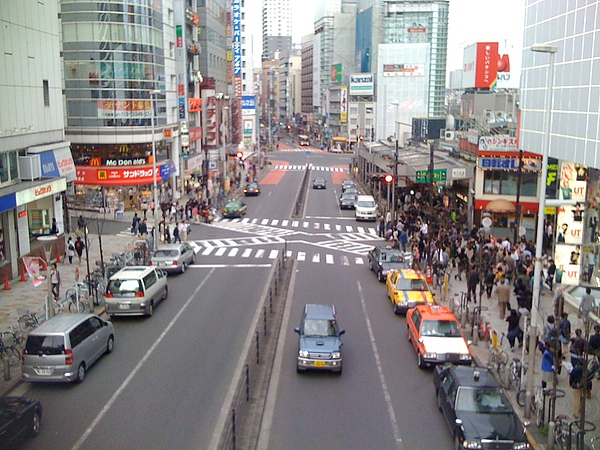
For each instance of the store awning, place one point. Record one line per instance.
(500, 206)
(339, 139)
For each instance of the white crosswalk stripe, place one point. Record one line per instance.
(234, 251)
(329, 258)
(260, 253)
(301, 256)
(220, 251)
(316, 258)
(273, 254)
(247, 253)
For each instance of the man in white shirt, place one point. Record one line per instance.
(506, 244)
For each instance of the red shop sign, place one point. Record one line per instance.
(116, 176)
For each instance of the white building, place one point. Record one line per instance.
(276, 28)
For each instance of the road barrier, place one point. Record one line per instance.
(241, 426)
(300, 199)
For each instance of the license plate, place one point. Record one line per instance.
(319, 363)
(43, 370)
(124, 306)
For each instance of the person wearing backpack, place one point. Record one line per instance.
(70, 250)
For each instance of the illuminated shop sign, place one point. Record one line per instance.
(41, 191)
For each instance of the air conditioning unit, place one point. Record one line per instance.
(488, 116)
(30, 167)
(443, 133)
(500, 116)
(510, 117)
(449, 135)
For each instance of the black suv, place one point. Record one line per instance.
(319, 344)
(384, 259)
(319, 183)
(477, 409)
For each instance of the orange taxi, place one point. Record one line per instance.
(436, 336)
(406, 289)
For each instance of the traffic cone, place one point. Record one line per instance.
(6, 285)
(23, 273)
(57, 256)
(429, 279)
(43, 265)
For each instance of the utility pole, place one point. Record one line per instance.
(518, 202)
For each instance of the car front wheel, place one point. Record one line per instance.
(36, 421)
(182, 267)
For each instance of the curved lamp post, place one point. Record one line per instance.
(48, 242)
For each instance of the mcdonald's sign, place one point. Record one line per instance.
(95, 162)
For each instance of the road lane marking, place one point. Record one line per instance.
(264, 221)
(305, 224)
(254, 220)
(358, 260)
(264, 433)
(139, 366)
(284, 223)
(329, 258)
(345, 261)
(327, 226)
(338, 227)
(234, 251)
(246, 253)
(275, 222)
(316, 258)
(360, 229)
(207, 251)
(301, 256)
(295, 223)
(348, 228)
(273, 254)
(259, 253)
(220, 251)
(289, 254)
(227, 266)
(245, 220)
(317, 224)
(384, 386)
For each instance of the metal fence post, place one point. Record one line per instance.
(233, 428)
(265, 320)
(257, 347)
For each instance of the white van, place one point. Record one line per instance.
(135, 291)
(365, 208)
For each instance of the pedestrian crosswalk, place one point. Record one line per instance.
(259, 254)
(303, 167)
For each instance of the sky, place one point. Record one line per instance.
(470, 21)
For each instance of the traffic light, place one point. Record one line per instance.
(361, 137)
(240, 155)
(388, 178)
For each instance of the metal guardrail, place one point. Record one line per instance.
(250, 393)
(299, 205)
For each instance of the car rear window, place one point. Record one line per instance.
(440, 328)
(166, 253)
(366, 204)
(124, 288)
(45, 345)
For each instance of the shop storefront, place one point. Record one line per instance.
(117, 187)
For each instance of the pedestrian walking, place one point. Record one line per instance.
(143, 228)
(70, 250)
(135, 223)
(547, 364)
(176, 237)
(514, 332)
(79, 247)
(54, 228)
(576, 383)
(145, 206)
(551, 271)
(588, 302)
(564, 332)
(55, 281)
(577, 347)
(503, 295)
(472, 282)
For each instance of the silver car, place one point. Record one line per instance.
(173, 257)
(65, 347)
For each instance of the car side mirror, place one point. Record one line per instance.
(297, 330)
(421, 340)
(342, 332)
(458, 422)
(526, 423)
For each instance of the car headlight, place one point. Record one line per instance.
(385, 271)
(430, 355)
(336, 355)
(520, 446)
(471, 444)
(303, 353)
(465, 357)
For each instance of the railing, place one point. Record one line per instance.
(245, 411)
(299, 205)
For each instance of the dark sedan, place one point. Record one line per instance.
(384, 259)
(477, 409)
(252, 189)
(319, 183)
(347, 201)
(20, 419)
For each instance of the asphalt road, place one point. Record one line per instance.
(164, 385)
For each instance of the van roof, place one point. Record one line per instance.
(60, 323)
(132, 272)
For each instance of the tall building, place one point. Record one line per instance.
(576, 108)
(115, 60)
(212, 35)
(35, 162)
(276, 28)
(307, 81)
(404, 42)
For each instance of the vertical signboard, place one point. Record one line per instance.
(344, 104)
(237, 38)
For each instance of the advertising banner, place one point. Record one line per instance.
(58, 163)
(344, 104)
(569, 224)
(236, 16)
(573, 181)
(123, 176)
(248, 105)
(403, 70)
(32, 266)
(362, 84)
(567, 260)
(124, 109)
(498, 143)
(336, 73)
(481, 65)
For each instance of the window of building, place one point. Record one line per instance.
(46, 89)
(505, 183)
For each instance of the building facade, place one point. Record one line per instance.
(276, 28)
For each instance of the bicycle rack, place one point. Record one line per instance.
(475, 319)
(580, 434)
(551, 395)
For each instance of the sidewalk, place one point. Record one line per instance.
(23, 295)
(481, 350)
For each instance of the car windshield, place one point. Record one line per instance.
(348, 196)
(252, 186)
(411, 285)
(319, 327)
(164, 253)
(486, 401)
(124, 287)
(366, 203)
(440, 328)
(319, 180)
(391, 256)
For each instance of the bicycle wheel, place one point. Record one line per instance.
(71, 299)
(521, 394)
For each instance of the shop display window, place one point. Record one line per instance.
(505, 183)
(39, 221)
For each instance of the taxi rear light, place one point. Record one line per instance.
(174, 262)
(108, 295)
(139, 294)
(68, 357)
(149, 263)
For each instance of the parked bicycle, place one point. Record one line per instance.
(498, 358)
(8, 349)
(537, 402)
(77, 298)
(516, 375)
(27, 319)
(568, 435)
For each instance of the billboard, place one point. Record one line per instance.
(344, 104)
(403, 70)
(573, 181)
(336, 73)
(248, 105)
(481, 65)
(362, 84)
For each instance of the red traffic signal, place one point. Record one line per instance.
(239, 155)
(388, 178)
(361, 137)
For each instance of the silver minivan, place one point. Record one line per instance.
(135, 291)
(65, 347)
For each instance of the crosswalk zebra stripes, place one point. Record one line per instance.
(303, 167)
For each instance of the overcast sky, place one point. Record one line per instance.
(470, 21)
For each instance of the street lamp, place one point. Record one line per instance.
(395, 103)
(551, 50)
(153, 93)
